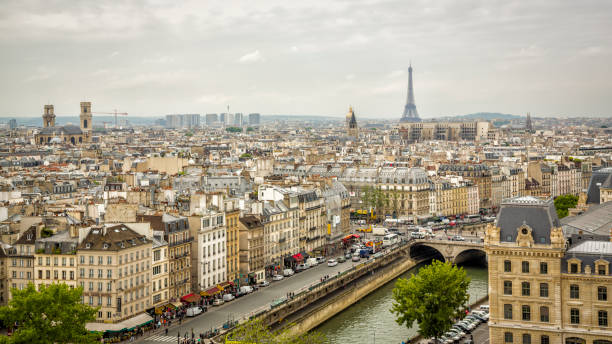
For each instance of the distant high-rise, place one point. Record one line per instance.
(12, 124)
(183, 121)
(211, 119)
(238, 118)
(528, 124)
(223, 118)
(254, 119)
(410, 111)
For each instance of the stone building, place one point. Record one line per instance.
(212, 246)
(159, 272)
(252, 249)
(115, 272)
(544, 288)
(67, 134)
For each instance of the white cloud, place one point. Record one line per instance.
(396, 74)
(356, 39)
(113, 54)
(350, 77)
(251, 57)
(42, 73)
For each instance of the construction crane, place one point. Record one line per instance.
(113, 113)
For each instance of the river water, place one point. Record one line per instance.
(370, 320)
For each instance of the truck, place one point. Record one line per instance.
(379, 231)
(364, 253)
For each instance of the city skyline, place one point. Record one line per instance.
(151, 59)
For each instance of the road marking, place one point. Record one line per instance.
(159, 338)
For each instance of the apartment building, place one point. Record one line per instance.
(312, 219)
(543, 287)
(177, 235)
(159, 271)
(20, 269)
(114, 265)
(212, 239)
(232, 219)
(252, 249)
(55, 260)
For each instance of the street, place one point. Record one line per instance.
(244, 306)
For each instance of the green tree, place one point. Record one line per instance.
(53, 313)
(246, 156)
(249, 129)
(432, 298)
(233, 130)
(256, 332)
(563, 203)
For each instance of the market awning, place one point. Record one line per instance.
(298, 256)
(210, 292)
(225, 285)
(191, 298)
(126, 325)
(177, 304)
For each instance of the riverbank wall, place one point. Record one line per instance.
(319, 312)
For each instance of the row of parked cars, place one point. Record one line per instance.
(465, 326)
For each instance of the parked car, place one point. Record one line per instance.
(228, 297)
(356, 258)
(193, 311)
(341, 259)
(347, 256)
(312, 262)
(277, 277)
(301, 267)
(320, 259)
(218, 302)
(239, 293)
(263, 283)
(332, 262)
(247, 289)
(288, 272)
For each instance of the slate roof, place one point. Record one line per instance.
(598, 178)
(113, 238)
(596, 220)
(537, 213)
(66, 130)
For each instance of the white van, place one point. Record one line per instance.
(288, 272)
(312, 262)
(193, 311)
(247, 289)
(228, 297)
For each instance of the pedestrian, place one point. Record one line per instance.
(166, 331)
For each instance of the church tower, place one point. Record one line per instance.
(86, 120)
(351, 124)
(49, 117)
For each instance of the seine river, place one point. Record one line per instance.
(370, 321)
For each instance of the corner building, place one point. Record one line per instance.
(544, 288)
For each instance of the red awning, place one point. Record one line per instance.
(210, 292)
(191, 298)
(356, 235)
(226, 284)
(298, 256)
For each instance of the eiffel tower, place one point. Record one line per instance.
(410, 111)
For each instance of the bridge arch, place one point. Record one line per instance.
(420, 251)
(471, 255)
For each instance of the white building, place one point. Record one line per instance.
(211, 250)
(159, 271)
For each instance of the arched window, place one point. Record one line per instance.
(80, 139)
(575, 340)
(85, 121)
(72, 140)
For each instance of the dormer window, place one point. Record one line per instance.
(106, 246)
(601, 266)
(88, 245)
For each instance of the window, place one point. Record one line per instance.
(507, 287)
(82, 259)
(91, 260)
(525, 267)
(526, 311)
(601, 269)
(574, 291)
(508, 311)
(574, 268)
(602, 316)
(526, 338)
(543, 268)
(507, 266)
(108, 314)
(575, 316)
(602, 293)
(543, 289)
(525, 289)
(508, 337)
(544, 340)
(109, 260)
(544, 314)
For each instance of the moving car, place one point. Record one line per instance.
(247, 289)
(263, 283)
(347, 256)
(218, 302)
(228, 297)
(356, 258)
(312, 261)
(288, 272)
(277, 277)
(332, 262)
(457, 238)
(341, 259)
(301, 267)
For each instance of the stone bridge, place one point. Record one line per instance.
(450, 251)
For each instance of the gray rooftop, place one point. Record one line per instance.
(539, 214)
(592, 247)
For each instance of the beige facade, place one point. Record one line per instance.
(115, 272)
(159, 272)
(539, 292)
(232, 218)
(252, 254)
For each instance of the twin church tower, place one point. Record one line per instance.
(67, 134)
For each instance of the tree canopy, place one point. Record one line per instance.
(432, 298)
(233, 130)
(563, 203)
(256, 332)
(53, 314)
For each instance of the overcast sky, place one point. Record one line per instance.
(307, 57)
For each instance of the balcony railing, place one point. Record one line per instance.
(180, 242)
